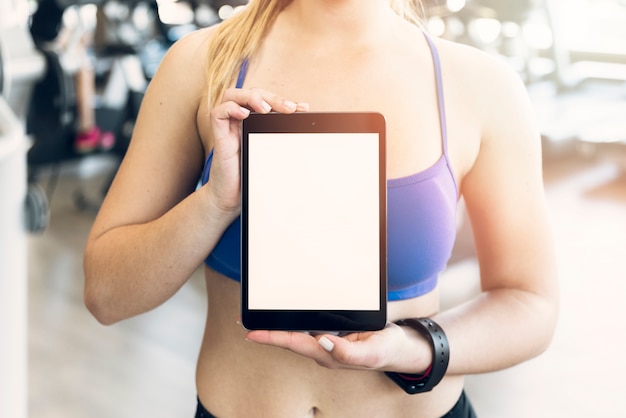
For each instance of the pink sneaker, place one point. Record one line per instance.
(93, 140)
(86, 142)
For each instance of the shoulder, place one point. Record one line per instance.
(189, 52)
(491, 98)
(183, 69)
(488, 87)
(476, 72)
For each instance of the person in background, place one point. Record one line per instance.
(459, 125)
(72, 45)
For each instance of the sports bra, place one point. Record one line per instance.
(421, 219)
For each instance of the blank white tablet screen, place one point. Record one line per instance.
(313, 221)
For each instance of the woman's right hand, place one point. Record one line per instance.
(226, 118)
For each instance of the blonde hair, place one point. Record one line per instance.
(239, 36)
(411, 10)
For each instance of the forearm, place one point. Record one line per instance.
(498, 329)
(134, 268)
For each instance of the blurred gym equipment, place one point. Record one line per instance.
(576, 82)
(585, 104)
(130, 40)
(120, 83)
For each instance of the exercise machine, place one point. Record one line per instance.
(52, 117)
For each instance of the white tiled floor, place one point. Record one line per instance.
(145, 366)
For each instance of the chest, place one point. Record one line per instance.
(401, 88)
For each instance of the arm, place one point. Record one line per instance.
(515, 316)
(154, 229)
(151, 230)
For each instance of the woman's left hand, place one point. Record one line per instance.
(390, 349)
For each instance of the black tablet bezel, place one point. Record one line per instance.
(312, 320)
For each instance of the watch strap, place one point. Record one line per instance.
(418, 383)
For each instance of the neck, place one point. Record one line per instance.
(349, 20)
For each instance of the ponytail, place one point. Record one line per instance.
(411, 10)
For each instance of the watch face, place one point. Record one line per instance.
(410, 383)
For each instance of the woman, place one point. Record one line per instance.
(72, 44)
(458, 124)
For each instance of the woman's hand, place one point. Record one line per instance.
(226, 119)
(393, 348)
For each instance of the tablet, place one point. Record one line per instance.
(313, 222)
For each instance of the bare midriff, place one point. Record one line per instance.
(239, 378)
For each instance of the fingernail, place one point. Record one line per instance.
(326, 344)
(303, 107)
(290, 105)
(245, 110)
(266, 106)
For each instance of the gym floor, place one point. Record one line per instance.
(144, 366)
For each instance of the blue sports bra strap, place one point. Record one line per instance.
(242, 73)
(442, 108)
(240, 79)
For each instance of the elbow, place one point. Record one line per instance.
(536, 321)
(552, 316)
(97, 306)
(543, 307)
(98, 311)
(546, 330)
(96, 300)
(543, 341)
(551, 331)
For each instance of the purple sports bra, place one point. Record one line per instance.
(421, 219)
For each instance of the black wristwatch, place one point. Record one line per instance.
(419, 383)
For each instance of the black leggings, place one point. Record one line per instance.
(462, 409)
